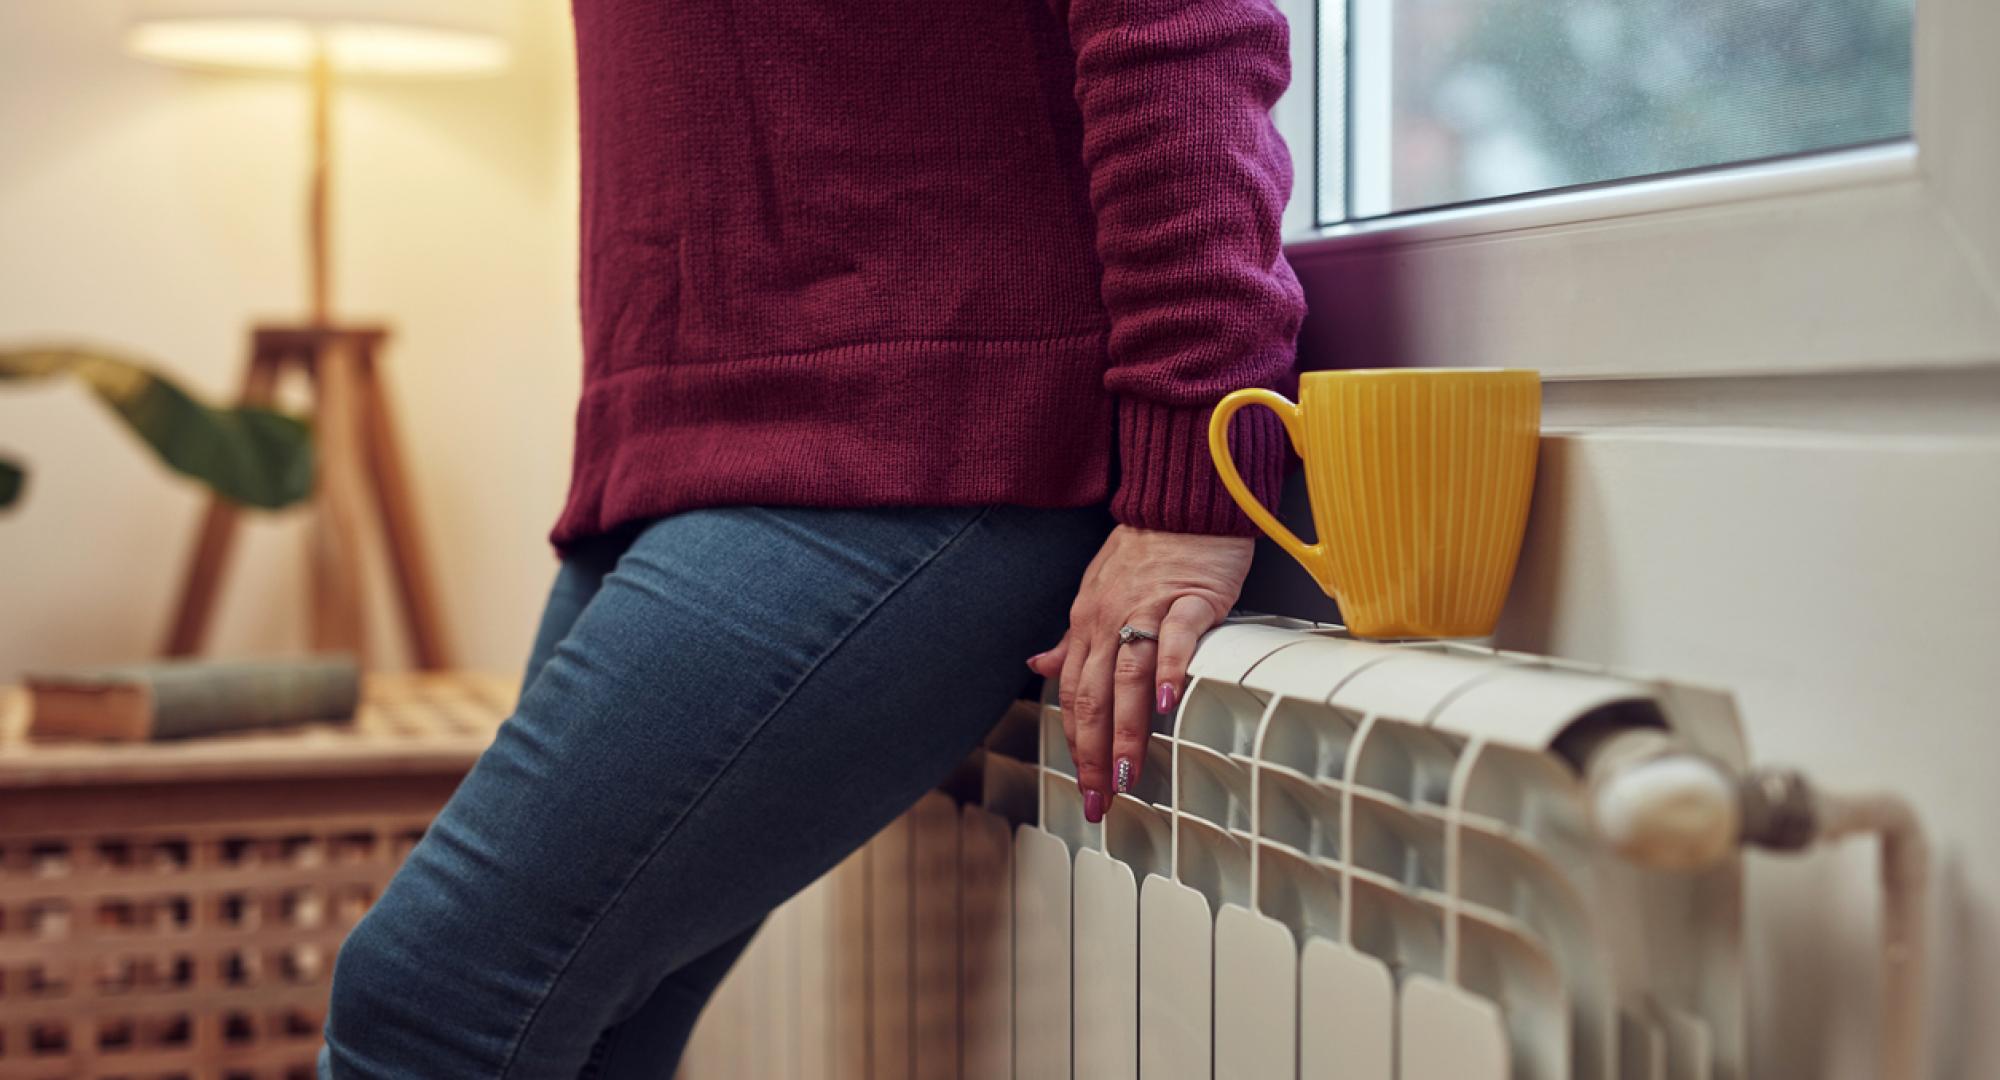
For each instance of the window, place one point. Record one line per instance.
(1643, 188)
(1428, 103)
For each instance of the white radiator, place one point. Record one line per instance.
(1344, 859)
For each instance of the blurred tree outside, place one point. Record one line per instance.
(1499, 97)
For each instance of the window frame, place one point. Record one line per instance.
(1880, 257)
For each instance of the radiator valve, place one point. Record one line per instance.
(1666, 807)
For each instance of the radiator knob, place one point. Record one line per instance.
(1673, 812)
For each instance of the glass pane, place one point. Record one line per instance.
(1458, 100)
(1330, 164)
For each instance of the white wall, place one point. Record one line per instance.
(161, 211)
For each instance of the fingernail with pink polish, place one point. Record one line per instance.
(1121, 776)
(1168, 695)
(1093, 806)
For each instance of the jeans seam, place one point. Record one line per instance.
(757, 729)
(600, 1055)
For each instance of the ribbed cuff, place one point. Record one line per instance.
(1168, 481)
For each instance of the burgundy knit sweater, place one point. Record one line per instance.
(916, 252)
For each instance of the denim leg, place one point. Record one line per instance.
(647, 1044)
(749, 696)
(578, 578)
(577, 581)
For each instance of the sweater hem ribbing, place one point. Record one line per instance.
(889, 424)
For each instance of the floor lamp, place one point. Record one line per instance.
(357, 456)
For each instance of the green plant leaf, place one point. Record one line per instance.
(11, 480)
(247, 454)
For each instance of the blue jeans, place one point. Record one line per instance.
(720, 707)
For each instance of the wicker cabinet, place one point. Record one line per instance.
(173, 909)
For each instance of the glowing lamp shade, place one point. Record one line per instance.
(366, 38)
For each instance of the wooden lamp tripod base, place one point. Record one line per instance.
(357, 463)
(355, 453)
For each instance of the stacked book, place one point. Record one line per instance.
(183, 699)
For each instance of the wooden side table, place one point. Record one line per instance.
(174, 908)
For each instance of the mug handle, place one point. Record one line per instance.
(1311, 556)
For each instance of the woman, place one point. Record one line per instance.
(903, 321)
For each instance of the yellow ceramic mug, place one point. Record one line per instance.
(1419, 481)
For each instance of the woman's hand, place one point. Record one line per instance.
(1177, 585)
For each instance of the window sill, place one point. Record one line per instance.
(1861, 167)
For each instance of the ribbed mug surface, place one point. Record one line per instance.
(1420, 482)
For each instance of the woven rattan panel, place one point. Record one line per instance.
(174, 911)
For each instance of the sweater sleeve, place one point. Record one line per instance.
(1188, 180)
